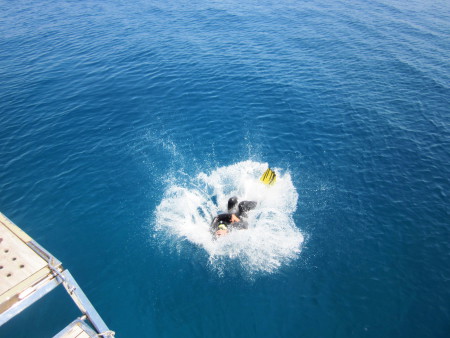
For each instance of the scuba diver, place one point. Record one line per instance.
(236, 217)
(222, 224)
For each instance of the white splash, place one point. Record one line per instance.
(272, 239)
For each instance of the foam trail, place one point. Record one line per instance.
(272, 239)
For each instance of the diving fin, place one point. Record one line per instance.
(269, 177)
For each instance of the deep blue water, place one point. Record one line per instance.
(106, 106)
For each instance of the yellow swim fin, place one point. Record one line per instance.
(269, 177)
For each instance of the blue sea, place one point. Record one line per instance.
(126, 125)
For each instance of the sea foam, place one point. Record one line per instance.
(272, 240)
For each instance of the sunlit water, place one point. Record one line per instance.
(126, 126)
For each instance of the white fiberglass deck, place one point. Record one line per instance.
(20, 266)
(28, 272)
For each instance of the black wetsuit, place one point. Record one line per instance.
(226, 220)
(241, 213)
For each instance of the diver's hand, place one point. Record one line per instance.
(234, 218)
(221, 232)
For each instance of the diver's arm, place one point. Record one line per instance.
(215, 222)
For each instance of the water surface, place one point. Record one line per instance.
(106, 108)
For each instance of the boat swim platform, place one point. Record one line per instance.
(28, 272)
